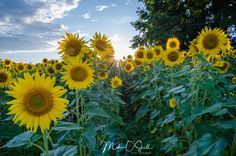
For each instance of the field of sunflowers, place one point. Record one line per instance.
(161, 101)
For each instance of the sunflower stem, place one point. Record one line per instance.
(39, 147)
(77, 106)
(45, 142)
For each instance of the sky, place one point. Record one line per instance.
(30, 29)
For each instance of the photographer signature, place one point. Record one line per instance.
(129, 147)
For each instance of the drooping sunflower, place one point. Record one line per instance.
(102, 45)
(103, 75)
(172, 102)
(223, 66)
(212, 41)
(116, 82)
(78, 74)
(158, 50)
(37, 101)
(129, 67)
(149, 56)
(71, 46)
(5, 78)
(172, 43)
(172, 57)
(192, 47)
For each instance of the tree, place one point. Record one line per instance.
(160, 19)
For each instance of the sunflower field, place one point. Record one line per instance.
(161, 101)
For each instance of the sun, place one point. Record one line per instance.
(37, 102)
(78, 75)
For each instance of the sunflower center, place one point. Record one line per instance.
(58, 66)
(128, 66)
(51, 70)
(102, 74)
(39, 102)
(78, 74)
(7, 62)
(149, 55)
(29, 67)
(116, 83)
(173, 56)
(173, 44)
(73, 48)
(224, 66)
(20, 67)
(3, 77)
(157, 51)
(210, 41)
(140, 54)
(101, 45)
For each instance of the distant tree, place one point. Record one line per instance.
(160, 19)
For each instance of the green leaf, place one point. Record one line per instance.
(169, 118)
(170, 143)
(226, 124)
(154, 114)
(142, 111)
(201, 146)
(96, 111)
(218, 147)
(19, 140)
(177, 90)
(64, 151)
(66, 126)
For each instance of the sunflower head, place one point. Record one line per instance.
(212, 41)
(172, 103)
(7, 62)
(223, 66)
(102, 45)
(158, 50)
(5, 78)
(78, 74)
(20, 67)
(58, 66)
(172, 43)
(39, 104)
(138, 62)
(116, 82)
(103, 75)
(129, 67)
(140, 53)
(50, 70)
(233, 80)
(29, 66)
(72, 45)
(45, 60)
(172, 57)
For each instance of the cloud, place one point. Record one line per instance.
(28, 25)
(127, 2)
(87, 16)
(101, 7)
(122, 20)
(114, 5)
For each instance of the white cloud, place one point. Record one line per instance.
(87, 16)
(114, 5)
(64, 28)
(122, 20)
(101, 7)
(127, 2)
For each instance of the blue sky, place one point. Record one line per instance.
(30, 29)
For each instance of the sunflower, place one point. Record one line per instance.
(45, 60)
(223, 66)
(150, 56)
(139, 54)
(158, 50)
(5, 78)
(116, 82)
(78, 74)
(37, 102)
(102, 75)
(138, 62)
(20, 67)
(29, 66)
(7, 62)
(192, 47)
(172, 102)
(102, 45)
(58, 66)
(50, 70)
(233, 80)
(71, 46)
(212, 41)
(172, 57)
(129, 67)
(172, 43)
